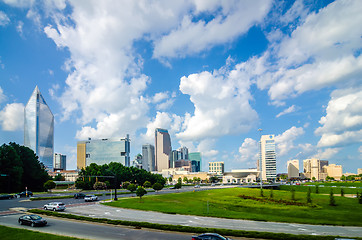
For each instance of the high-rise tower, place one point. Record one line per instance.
(148, 160)
(163, 149)
(267, 158)
(39, 128)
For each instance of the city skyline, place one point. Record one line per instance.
(211, 73)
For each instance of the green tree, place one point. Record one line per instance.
(132, 187)
(79, 184)
(140, 192)
(332, 201)
(125, 185)
(316, 189)
(359, 197)
(59, 177)
(185, 179)
(271, 193)
(147, 184)
(309, 199)
(293, 194)
(179, 180)
(342, 192)
(50, 184)
(261, 192)
(157, 186)
(178, 185)
(99, 186)
(170, 179)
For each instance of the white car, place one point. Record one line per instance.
(90, 198)
(55, 206)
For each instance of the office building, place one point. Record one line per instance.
(39, 128)
(293, 169)
(359, 171)
(313, 169)
(184, 164)
(216, 167)
(334, 171)
(240, 176)
(267, 163)
(195, 158)
(148, 158)
(59, 162)
(137, 161)
(179, 154)
(103, 151)
(163, 149)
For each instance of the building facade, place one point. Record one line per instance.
(103, 151)
(59, 162)
(293, 168)
(216, 167)
(313, 169)
(148, 157)
(334, 171)
(195, 158)
(240, 176)
(163, 149)
(39, 128)
(267, 164)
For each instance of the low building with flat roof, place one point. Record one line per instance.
(240, 176)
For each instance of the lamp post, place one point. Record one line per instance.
(260, 160)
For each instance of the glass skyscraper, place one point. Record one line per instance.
(267, 159)
(195, 158)
(148, 159)
(39, 128)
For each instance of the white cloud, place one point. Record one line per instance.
(19, 28)
(221, 101)
(12, 117)
(2, 95)
(291, 109)
(327, 153)
(163, 100)
(230, 19)
(20, 3)
(249, 150)
(4, 19)
(342, 124)
(285, 141)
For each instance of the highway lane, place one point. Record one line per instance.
(93, 231)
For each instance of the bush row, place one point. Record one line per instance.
(279, 201)
(180, 228)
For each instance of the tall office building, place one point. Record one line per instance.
(59, 162)
(334, 171)
(103, 151)
(195, 158)
(148, 158)
(163, 149)
(293, 168)
(216, 167)
(39, 128)
(313, 168)
(267, 158)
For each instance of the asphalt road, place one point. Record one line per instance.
(92, 231)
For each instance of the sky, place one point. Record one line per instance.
(211, 72)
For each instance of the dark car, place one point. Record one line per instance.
(79, 195)
(210, 236)
(6, 196)
(32, 220)
(24, 194)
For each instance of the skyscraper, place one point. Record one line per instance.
(103, 151)
(148, 159)
(195, 158)
(39, 128)
(60, 162)
(293, 168)
(163, 149)
(267, 158)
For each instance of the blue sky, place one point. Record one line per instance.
(211, 72)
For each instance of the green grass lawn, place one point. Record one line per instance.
(227, 203)
(8, 233)
(325, 188)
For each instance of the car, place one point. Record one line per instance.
(6, 196)
(210, 236)
(32, 220)
(24, 194)
(55, 206)
(79, 195)
(212, 184)
(90, 198)
(197, 186)
(173, 187)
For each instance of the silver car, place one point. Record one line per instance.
(55, 206)
(90, 198)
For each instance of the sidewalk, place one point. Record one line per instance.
(101, 211)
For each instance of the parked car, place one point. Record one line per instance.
(90, 198)
(55, 206)
(79, 195)
(197, 186)
(32, 220)
(6, 196)
(24, 194)
(210, 236)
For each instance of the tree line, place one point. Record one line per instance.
(20, 168)
(115, 175)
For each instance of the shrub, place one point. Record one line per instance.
(271, 193)
(125, 185)
(140, 191)
(99, 186)
(50, 184)
(332, 202)
(342, 192)
(359, 198)
(316, 189)
(132, 187)
(178, 185)
(293, 194)
(261, 192)
(147, 184)
(309, 199)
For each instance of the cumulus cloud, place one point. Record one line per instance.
(249, 150)
(12, 117)
(221, 101)
(4, 19)
(20, 3)
(2, 95)
(229, 20)
(285, 141)
(342, 124)
(291, 109)
(327, 153)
